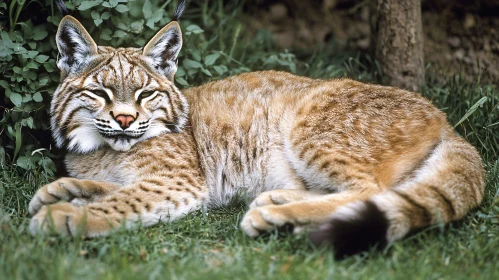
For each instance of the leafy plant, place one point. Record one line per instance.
(27, 78)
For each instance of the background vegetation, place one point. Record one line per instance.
(216, 44)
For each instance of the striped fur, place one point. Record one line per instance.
(363, 164)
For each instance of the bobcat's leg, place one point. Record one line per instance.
(70, 189)
(145, 203)
(305, 213)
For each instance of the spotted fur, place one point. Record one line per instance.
(363, 164)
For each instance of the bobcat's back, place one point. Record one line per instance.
(246, 128)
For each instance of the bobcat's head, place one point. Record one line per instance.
(115, 97)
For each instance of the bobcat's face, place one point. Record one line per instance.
(116, 97)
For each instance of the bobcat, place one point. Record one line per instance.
(360, 164)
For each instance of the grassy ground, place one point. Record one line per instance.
(211, 246)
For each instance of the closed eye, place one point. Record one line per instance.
(144, 94)
(102, 94)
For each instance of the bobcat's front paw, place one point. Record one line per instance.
(267, 218)
(62, 189)
(62, 218)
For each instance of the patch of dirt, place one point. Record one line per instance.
(467, 43)
(459, 37)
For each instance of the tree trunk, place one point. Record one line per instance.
(399, 44)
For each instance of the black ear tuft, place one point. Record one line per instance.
(76, 47)
(163, 49)
(179, 10)
(355, 233)
(61, 6)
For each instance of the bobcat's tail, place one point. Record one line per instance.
(448, 184)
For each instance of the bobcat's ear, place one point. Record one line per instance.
(163, 49)
(76, 47)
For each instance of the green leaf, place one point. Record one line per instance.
(32, 54)
(188, 63)
(4, 84)
(180, 72)
(31, 65)
(119, 34)
(196, 55)
(20, 50)
(17, 70)
(106, 35)
(43, 82)
(122, 26)
(6, 53)
(105, 15)
(208, 73)
(27, 98)
(48, 67)
(95, 15)
(472, 110)
(157, 15)
(221, 69)
(122, 8)
(41, 58)
(147, 9)
(48, 165)
(193, 29)
(31, 75)
(37, 97)
(28, 122)
(211, 59)
(40, 32)
(85, 5)
(113, 3)
(98, 21)
(18, 139)
(25, 163)
(150, 23)
(181, 81)
(6, 39)
(137, 26)
(16, 98)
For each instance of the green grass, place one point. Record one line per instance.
(211, 245)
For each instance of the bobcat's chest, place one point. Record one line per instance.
(102, 165)
(240, 147)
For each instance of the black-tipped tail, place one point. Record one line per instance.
(179, 10)
(61, 6)
(352, 234)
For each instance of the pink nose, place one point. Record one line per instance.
(124, 120)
